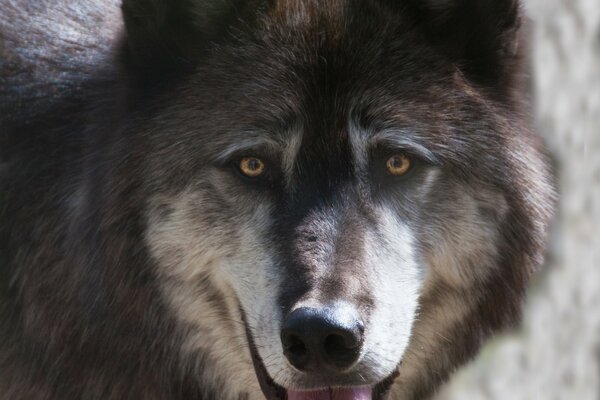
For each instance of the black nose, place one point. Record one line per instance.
(314, 338)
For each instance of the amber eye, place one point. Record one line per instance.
(398, 165)
(252, 167)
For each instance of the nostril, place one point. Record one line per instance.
(298, 350)
(294, 345)
(342, 349)
(295, 350)
(335, 344)
(338, 343)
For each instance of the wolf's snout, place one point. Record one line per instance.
(314, 338)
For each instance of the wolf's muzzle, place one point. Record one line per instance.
(318, 339)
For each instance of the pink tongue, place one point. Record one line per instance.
(356, 393)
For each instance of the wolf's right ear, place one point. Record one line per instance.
(164, 37)
(480, 36)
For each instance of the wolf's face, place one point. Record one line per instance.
(319, 258)
(331, 201)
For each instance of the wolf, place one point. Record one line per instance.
(250, 199)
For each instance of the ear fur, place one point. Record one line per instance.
(480, 36)
(165, 36)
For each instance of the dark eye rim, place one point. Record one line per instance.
(235, 165)
(241, 160)
(380, 159)
(411, 165)
(266, 179)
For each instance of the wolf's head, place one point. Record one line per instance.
(343, 194)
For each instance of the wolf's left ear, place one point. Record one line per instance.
(165, 36)
(481, 36)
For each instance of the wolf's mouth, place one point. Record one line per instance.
(273, 391)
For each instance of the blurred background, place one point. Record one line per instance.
(555, 353)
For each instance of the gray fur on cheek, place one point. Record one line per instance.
(461, 244)
(196, 260)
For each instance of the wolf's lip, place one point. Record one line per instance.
(273, 391)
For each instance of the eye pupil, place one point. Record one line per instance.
(252, 167)
(398, 165)
(253, 164)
